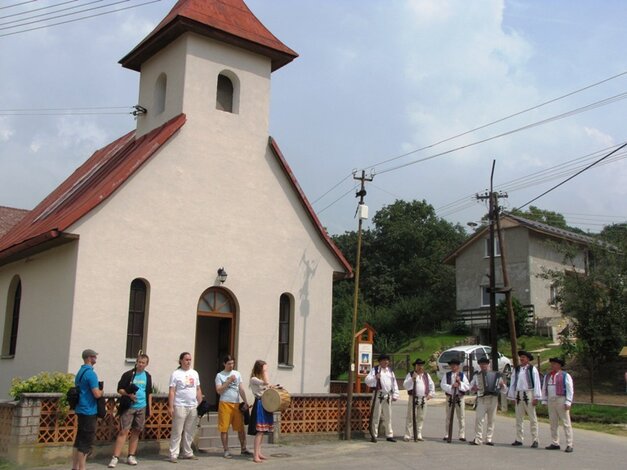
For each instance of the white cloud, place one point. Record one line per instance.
(599, 136)
(6, 131)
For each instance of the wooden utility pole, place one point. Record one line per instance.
(362, 213)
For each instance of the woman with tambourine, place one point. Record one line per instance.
(261, 421)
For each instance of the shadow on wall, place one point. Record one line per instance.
(309, 267)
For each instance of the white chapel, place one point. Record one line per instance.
(189, 233)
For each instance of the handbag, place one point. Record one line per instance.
(101, 404)
(243, 407)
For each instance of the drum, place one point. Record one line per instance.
(275, 399)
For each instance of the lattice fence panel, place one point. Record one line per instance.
(6, 421)
(54, 428)
(323, 413)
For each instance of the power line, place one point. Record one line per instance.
(587, 87)
(338, 199)
(571, 177)
(17, 4)
(65, 114)
(63, 109)
(79, 19)
(51, 13)
(38, 9)
(573, 112)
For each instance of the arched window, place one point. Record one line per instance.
(226, 94)
(286, 329)
(12, 317)
(160, 92)
(135, 339)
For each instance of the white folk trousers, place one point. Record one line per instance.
(382, 411)
(460, 412)
(183, 428)
(421, 411)
(525, 407)
(557, 413)
(486, 408)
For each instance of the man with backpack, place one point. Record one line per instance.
(86, 410)
(135, 389)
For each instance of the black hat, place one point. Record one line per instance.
(454, 361)
(383, 357)
(418, 362)
(525, 353)
(483, 360)
(559, 360)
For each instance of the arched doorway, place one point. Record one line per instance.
(215, 336)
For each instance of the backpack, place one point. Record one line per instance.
(73, 394)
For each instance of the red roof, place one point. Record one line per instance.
(92, 183)
(227, 21)
(9, 217)
(309, 210)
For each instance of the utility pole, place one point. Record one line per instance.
(493, 209)
(362, 213)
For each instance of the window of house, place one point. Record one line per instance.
(286, 329)
(497, 247)
(12, 318)
(553, 295)
(160, 93)
(135, 340)
(485, 297)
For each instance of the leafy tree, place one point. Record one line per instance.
(597, 301)
(405, 289)
(520, 319)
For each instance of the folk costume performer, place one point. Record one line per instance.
(488, 385)
(525, 389)
(455, 384)
(557, 392)
(421, 389)
(383, 380)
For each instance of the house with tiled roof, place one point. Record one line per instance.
(9, 217)
(189, 233)
(532, 248)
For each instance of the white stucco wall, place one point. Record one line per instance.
(44, 326)
(213, 196)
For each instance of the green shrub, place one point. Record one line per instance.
(44, 382)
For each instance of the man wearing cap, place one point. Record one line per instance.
(557, 393)
(455, 384)
(487, 384)
(383, 380)
(525, 389)
(86, 409)
(421, 389)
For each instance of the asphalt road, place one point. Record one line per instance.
(592, 451)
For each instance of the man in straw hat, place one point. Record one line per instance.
(421, 389)
(383, 380)
(525, 389)
(488, 385)
(557, 392)
(455, 384)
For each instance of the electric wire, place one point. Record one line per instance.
(25, 12)
(339, 198)
(52, 13)
(571, 177)
(17, 4)
(79, 19)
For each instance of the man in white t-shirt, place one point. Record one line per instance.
(230, 388)
(183, 398)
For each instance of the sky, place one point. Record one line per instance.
(374, 80)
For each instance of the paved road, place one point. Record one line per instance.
(592, 451)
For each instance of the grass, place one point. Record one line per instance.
(601, 418)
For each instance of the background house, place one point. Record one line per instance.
(124, 254)
(532, 248)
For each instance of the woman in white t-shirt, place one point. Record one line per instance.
(261, 421)
(183, 398)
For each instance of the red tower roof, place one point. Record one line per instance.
(229, 21)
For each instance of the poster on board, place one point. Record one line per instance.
(364, 358)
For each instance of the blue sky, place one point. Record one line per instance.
(375, 79)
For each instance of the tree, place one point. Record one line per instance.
(597, 301)
(405, 288)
